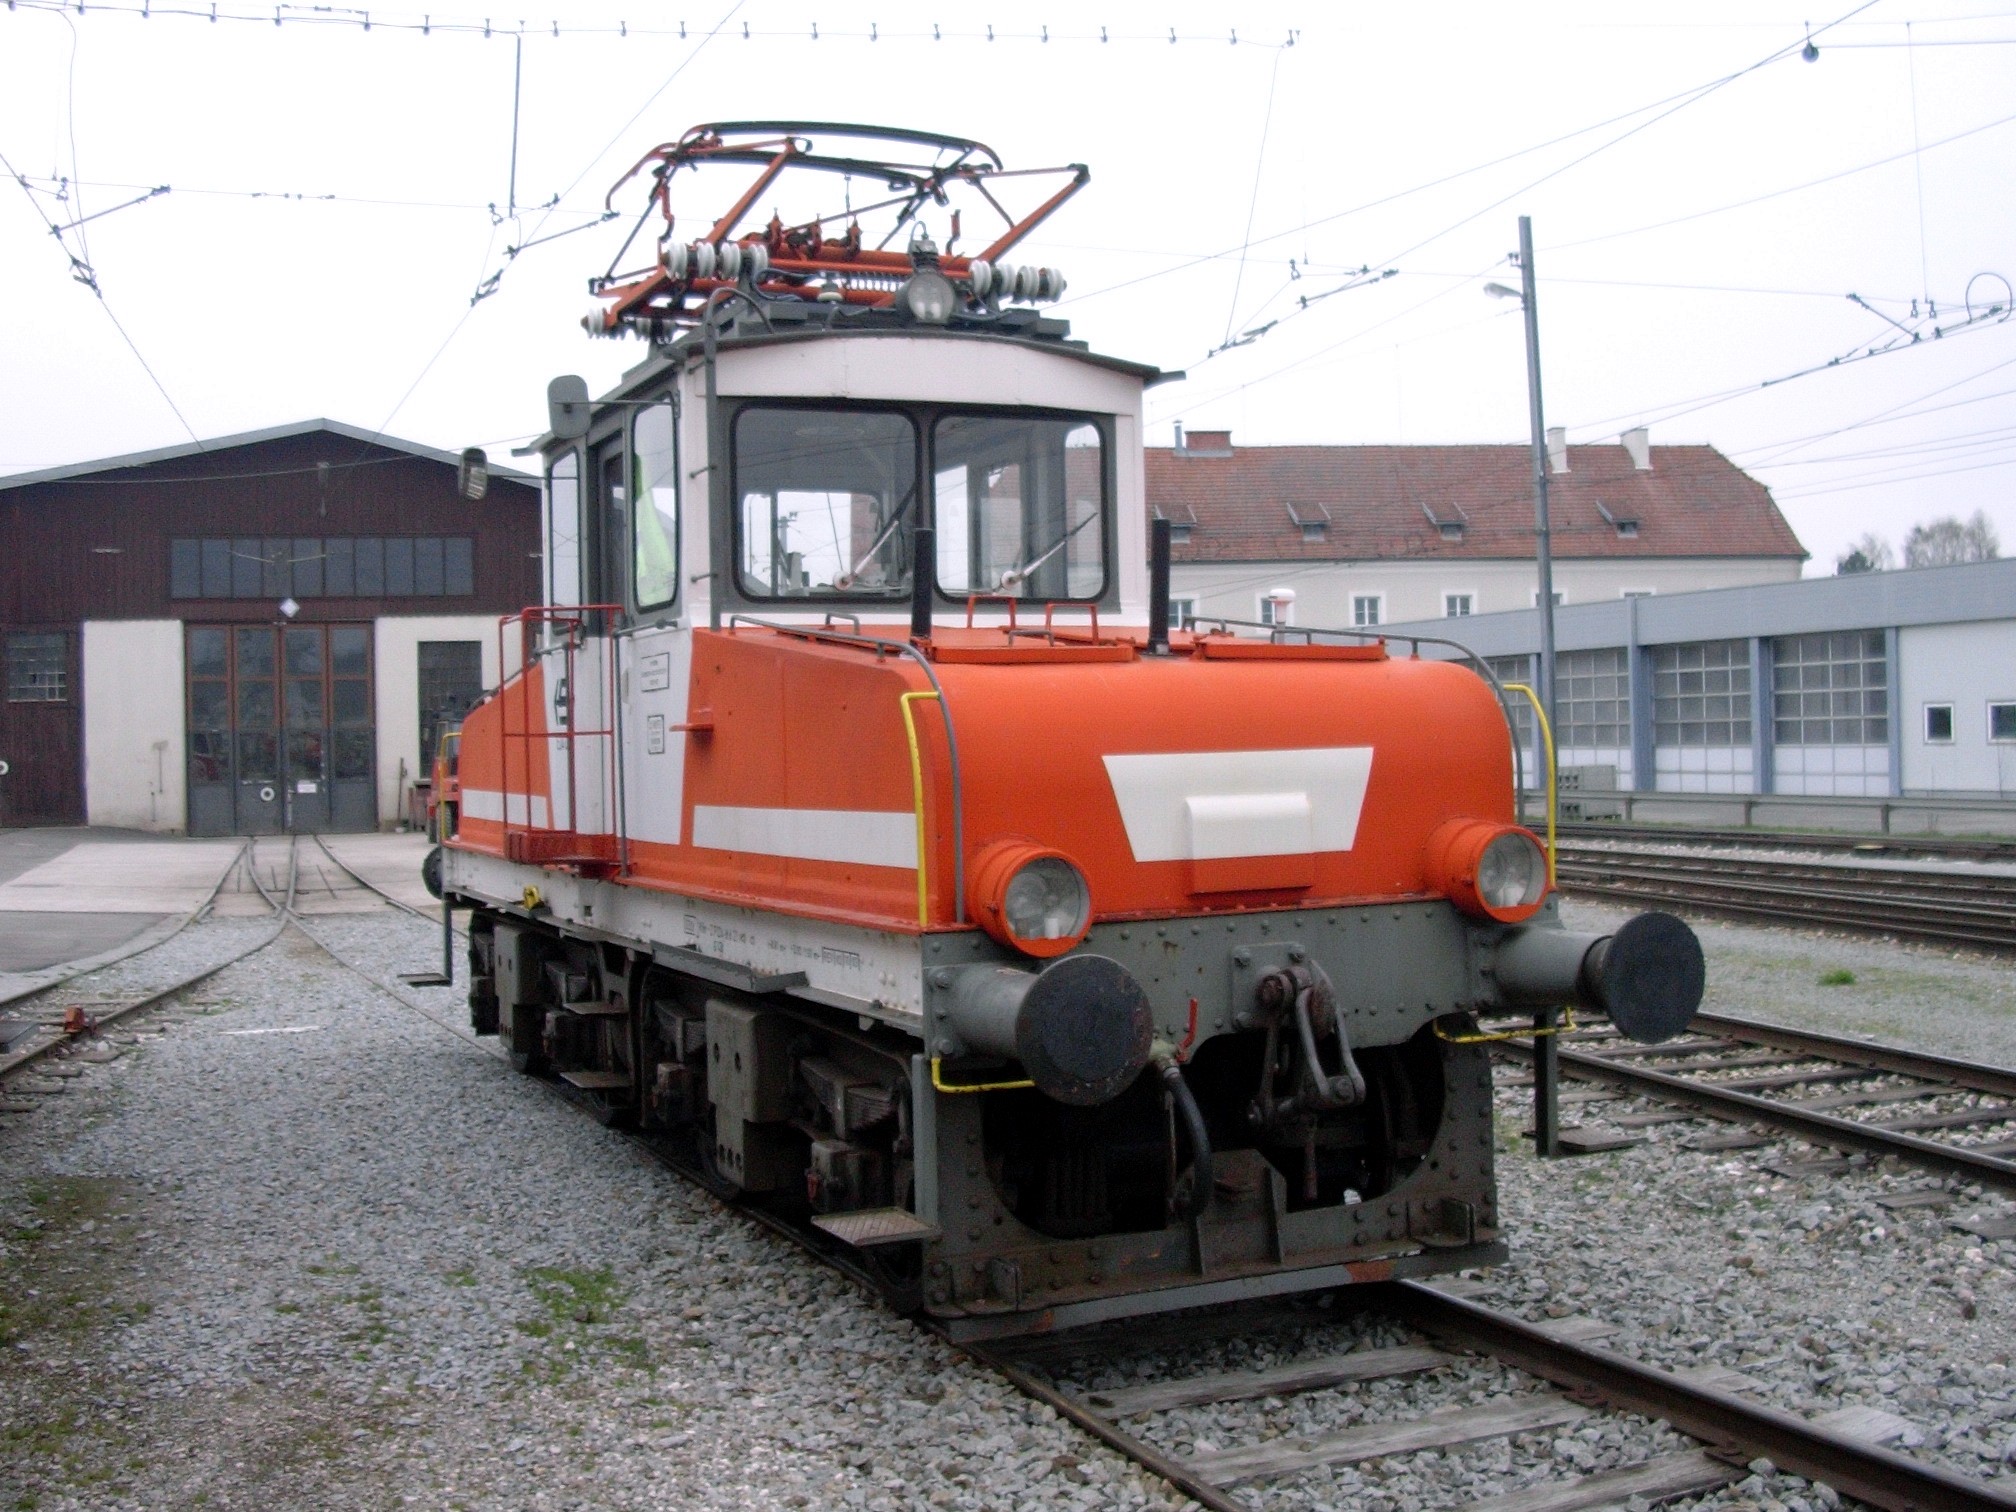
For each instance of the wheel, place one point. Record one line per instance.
(430, 871)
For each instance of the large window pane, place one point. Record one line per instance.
(185, 569)
(276, 557)
(427, 575)
(304, 651)
(255, 653)
(563, 531)
(399, 567)
(828, 501)
(38, 667)
(339, 567)
(248, 561)
(216, 569)
(1020, 507)
(349, 650)
(655, 520)
(370, 567)
(307, 569)
(207, 652)
(458, 568)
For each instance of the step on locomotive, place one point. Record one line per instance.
(851, 817)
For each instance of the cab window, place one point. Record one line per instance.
(563, 530)
(654, 521)
(1020, 506)
(827, 500)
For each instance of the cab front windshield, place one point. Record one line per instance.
(828, 500)
(1020, 506)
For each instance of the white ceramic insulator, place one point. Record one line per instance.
(728, 260)
(980, 274)
(673, 256)
(756, 260)
(1026, 281)
(703, 259)
(1053, 284)
(1004, 280)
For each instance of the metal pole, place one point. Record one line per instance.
(1544, 546)
(1546, 1047)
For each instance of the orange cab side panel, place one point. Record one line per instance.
(813, 734)
(502, 774)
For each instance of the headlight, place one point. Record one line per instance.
(928, 298)
(1512, 872)
(1497, 871)
(1031, 898)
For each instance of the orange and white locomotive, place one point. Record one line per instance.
(850, 814)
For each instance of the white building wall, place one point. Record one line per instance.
(134, 725)
(1968, 666)
(1415, 590)
(396, 666)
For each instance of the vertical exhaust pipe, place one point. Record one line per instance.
(920, 583)
(1158, 586)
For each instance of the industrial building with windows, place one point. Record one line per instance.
(261, 633)
(1875, 685)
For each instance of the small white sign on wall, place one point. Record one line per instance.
(654, 734)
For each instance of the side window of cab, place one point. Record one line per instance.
(654, 515)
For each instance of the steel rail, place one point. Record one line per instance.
(1815, 1128)
(1750, 889)
(16, 1061)
(1770, 839)
(1718, 1418)
(1976, 1077)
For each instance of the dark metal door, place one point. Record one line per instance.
(280, 731)
(451, 680)
(40, 737)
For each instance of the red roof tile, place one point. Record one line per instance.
(1692, 502)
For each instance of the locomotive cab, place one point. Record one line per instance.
(845, 820)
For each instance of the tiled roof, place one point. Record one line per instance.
(1255, 504)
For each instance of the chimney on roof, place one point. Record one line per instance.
(1638, 442)
(1557, 448)
(1179, 435)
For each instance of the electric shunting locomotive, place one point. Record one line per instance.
(850, 814)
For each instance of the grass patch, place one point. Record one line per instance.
(1837, 976)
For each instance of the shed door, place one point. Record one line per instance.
(280, 730)
(40, 740)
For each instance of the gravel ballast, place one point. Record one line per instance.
(312, 1246)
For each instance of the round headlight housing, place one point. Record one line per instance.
(1031, 898)
(928, 298)
(1493, 871)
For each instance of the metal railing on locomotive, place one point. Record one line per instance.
(1548, 1024)
(565, 627)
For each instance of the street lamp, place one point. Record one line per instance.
(1546, 1058)
(1544, 544)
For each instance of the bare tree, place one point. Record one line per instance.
(1948, 542)
(1870, 553)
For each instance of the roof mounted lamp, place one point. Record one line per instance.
(927, 296)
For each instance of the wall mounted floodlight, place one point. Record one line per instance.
(472, 473)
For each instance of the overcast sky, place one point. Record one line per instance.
(1702, 216)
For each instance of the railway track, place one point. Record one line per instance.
(1976, 909)
(1448, 1330)
(1839, 842)
(1948, 1116)
(54, 1031)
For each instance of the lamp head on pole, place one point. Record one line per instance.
(1503, 291)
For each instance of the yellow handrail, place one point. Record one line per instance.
(940, 1084)
(917, 800)
(1546, 735)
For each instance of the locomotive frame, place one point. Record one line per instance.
(850, 816)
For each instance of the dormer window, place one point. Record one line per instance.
(1182, 520)
(1313, 519)
(1625, 526)
(1450, 528)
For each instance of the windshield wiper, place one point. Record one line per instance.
(1015, 577)
(852, 575)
